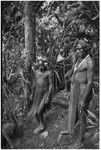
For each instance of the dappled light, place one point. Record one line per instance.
(50, 74)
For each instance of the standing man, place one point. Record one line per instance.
(43, 94)
(81, 90)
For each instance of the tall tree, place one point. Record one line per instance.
(30, 10)
(30, 32)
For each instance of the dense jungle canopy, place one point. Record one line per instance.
(42, 28)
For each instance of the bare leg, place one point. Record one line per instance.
(40, 119)
(41, 124)
(82, 126)
(82, 123)
(72, 115)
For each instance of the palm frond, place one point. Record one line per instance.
(95, 7)
(92, 115)
(96, 85)
(91, 122)
(96, 17)
(95, 88)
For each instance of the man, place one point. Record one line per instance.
(81, 90)
(43, 94)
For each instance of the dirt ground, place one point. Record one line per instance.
(56, 121)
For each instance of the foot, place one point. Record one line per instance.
(63, 133)
(39, 129)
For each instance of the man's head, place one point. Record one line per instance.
(40, 64)
(82, 48)
(43, 65)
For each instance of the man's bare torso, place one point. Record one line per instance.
(42, 79)
(80, 71)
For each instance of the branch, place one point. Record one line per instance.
(75, 4)
(7, 43)
(38, 6)
(95, 7)
(64, 6)
(57, 17)
(96, 17)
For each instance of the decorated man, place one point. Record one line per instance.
(81, 90)
(42, 95)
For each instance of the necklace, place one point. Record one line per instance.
(75, 68)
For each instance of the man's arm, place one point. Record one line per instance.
(90, 69)
(50, 84)
(69, 73)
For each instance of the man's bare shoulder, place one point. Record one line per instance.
(48, 73)
(90, 62)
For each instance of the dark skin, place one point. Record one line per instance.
(45, 81)
(90, 68)
(82, 74)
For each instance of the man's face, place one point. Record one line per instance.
(80, 51)
(41, 67)
(40, 64)
(46, 67)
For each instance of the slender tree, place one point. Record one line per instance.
(30, 33)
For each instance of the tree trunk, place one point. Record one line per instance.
(30, 44)
(30, 33)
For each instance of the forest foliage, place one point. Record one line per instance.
(59, 25)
